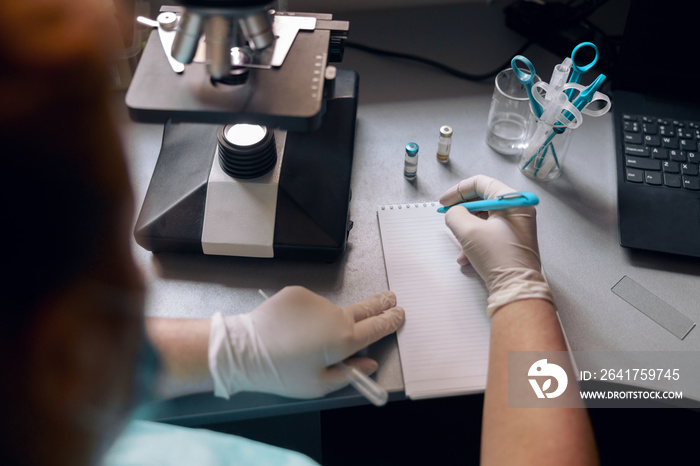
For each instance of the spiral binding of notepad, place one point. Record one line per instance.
(410, 205)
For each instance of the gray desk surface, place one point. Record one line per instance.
(402, 102)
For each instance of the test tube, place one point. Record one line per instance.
(444, 144)
(410, 166)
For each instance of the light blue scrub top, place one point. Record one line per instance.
(151, 443)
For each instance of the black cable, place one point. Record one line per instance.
(572, 14)
(440, 66)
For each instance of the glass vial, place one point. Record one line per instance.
(444, 144)
(410, 166)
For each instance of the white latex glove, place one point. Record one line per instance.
(502, 247)
(290, 345)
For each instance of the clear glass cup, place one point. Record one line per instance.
(544, 150)
(509, 115)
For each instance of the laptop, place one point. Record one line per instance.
(656, 113)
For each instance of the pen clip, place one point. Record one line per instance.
(514, 195)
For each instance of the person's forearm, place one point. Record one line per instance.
(182, 345)
(529, 435)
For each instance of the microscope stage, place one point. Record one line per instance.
(289, 97)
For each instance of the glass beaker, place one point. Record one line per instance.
(544, 150)
(509, 115)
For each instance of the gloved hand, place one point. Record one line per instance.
(290, 345)
(502, 247)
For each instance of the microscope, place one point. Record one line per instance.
(259, 131)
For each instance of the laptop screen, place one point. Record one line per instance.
(659, 50)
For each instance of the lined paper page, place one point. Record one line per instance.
(445, 341)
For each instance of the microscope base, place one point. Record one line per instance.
(311, 218)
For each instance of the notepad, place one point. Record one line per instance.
(444, 342)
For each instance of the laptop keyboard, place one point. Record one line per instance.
(661, 152)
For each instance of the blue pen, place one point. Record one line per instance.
(504, 201)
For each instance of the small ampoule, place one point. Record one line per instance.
(410, 166)
(444, 144)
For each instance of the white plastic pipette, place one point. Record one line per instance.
(559, 76)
